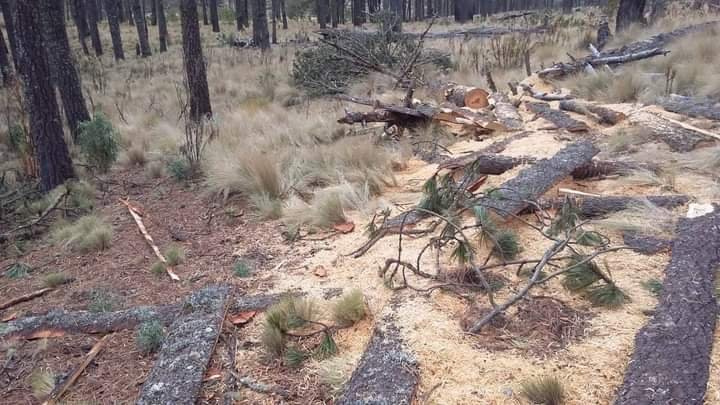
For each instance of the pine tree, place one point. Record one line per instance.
(92, 21)
(80, 18)
(141, 29)
(261, 37)
(199, 94)
(162, 26)
(214, 18)
(112, 10)
(629, 12)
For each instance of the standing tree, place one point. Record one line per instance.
(80, 17)
(274, 10)
(261, 37)
(129, 9)
(629, 12)
(5, 68)
(112, 9)
(283, 10)
(141, 29)
(154, 12)
(45, 122)
(162, 26)
(92, 20)
(396, 14)
(463, 10)
(241, 14)
(214, 18)
(358, 12)
(323, 9)
(8, 11)
(62, 67)
(205, 14)
(199, 95)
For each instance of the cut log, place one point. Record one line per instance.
(557, 117)
(680, 138)
(646, 244)
(531, 183)
(506, 113)
(691, 106)
(480, 32)
(387, 373)
(631, 52)
(464, 96)
(544, 96)
(600, 168)
(599, 114)
(495, 147)
(177, 375)
(598, 206)
(671, 361)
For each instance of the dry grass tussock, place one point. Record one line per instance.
(645, 218)
(87, 234)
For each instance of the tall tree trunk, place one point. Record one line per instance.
(358, 12)
(334, 14)
(80, 17)
(214, 18)
(92, 20)
(463, 11)
(45, 123)
(205, 13)
(129, 9)
(629, 12)
(120, 9)
(275, 12)
(153, 12)
(112, 9)
(396, 9)
(199, 95)
(283, 11)
(141, 27)
(162, 25)
(340, 5)
(62, 67)
(240, 11)
(8, 11)
(261, 37)
(430, 9)
(322, 12)
(6, 70)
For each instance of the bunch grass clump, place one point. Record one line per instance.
(87, 234)
(18, 270)
(42, 382)
(102, 301)
(149, 337)
(546, 390)
(54, 280)
(175, 255)
(98, 140)
(242, 269)
(158, 268)
(350, 308)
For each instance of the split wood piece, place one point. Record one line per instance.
(631, 52)
(678, 136)
(534, 181)
(137, 216)
(671, 360)
(692, 106)
(387, 373)
(599, 114)
(505, 112)
(60, 391)
(544, 96)
(646, 244)
(60, 321)
(26, 297)
(591, 207)
(177, 375)
(465, 96)
(559, 118)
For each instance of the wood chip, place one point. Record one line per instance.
(344, 227)
(242, 317)
(320, 271)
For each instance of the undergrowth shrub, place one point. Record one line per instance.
(349, 309)
(102, 301)
(149, 337)
(242, 269)
(53, 280)
(98, 141)
(87, 234)
(175, 255)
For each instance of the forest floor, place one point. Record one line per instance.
(554, 332)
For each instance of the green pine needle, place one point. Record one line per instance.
(327, 347)
(580, 276)
(654, 286)
(295, 357)
(506, 245)
(608, 295)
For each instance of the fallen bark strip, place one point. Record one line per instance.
(692, 106)
(559, 118)
(177, 375)
(534, 181)
(680, 138)
(646, 244)
(599, 114)
(26, 297)
(387, 373)
(650, 47)
(670, 364)
(60, 391)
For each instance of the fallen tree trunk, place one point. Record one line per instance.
(632, 52)
(671, 360)
(506, 113)
(599, 114)
(598, 206)
(600, 168)
(544, 96)
(513, 196)
(480, 32)
(692, 106)
(645, 244)
(556, 117)
(387, 373)
(680, 138)
(177, 375)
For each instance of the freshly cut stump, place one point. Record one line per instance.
(177, 375)
(534, 181)
(671, 361)
(559, 118)
(387, 373)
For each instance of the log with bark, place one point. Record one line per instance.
(387, 373)
(645, 244)
(671, 360)
(177, 375)
(505, 112)
(466, 96)
(480, 32)
(599, 114)
(513, 196)
(558, 118)
(650, 47)
(680, 137)
(598, 206)
(697, 107)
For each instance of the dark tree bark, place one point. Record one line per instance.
(62, 67)
(45, 122)
(80, 17)
(340, 7)
(629, 12)
(129, 9)
(463, 11)
(323, 9)
(567, 6)
(274, 11)
(419, 10)
(162, 26)
(373, 6)
(141, 29)
(283, 11)
(92, 20)
(214, 16)
(154, 12)
(8, 7)
(396, 8)
(358, 12)
(241, 14)
(334, 14)
(120, 9)
(112, 9)
(261, 37)
(199, 95)
(206, 21)
(430, 9)
(5, 68)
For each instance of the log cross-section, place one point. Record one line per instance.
(177, 375)
(671, 361)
